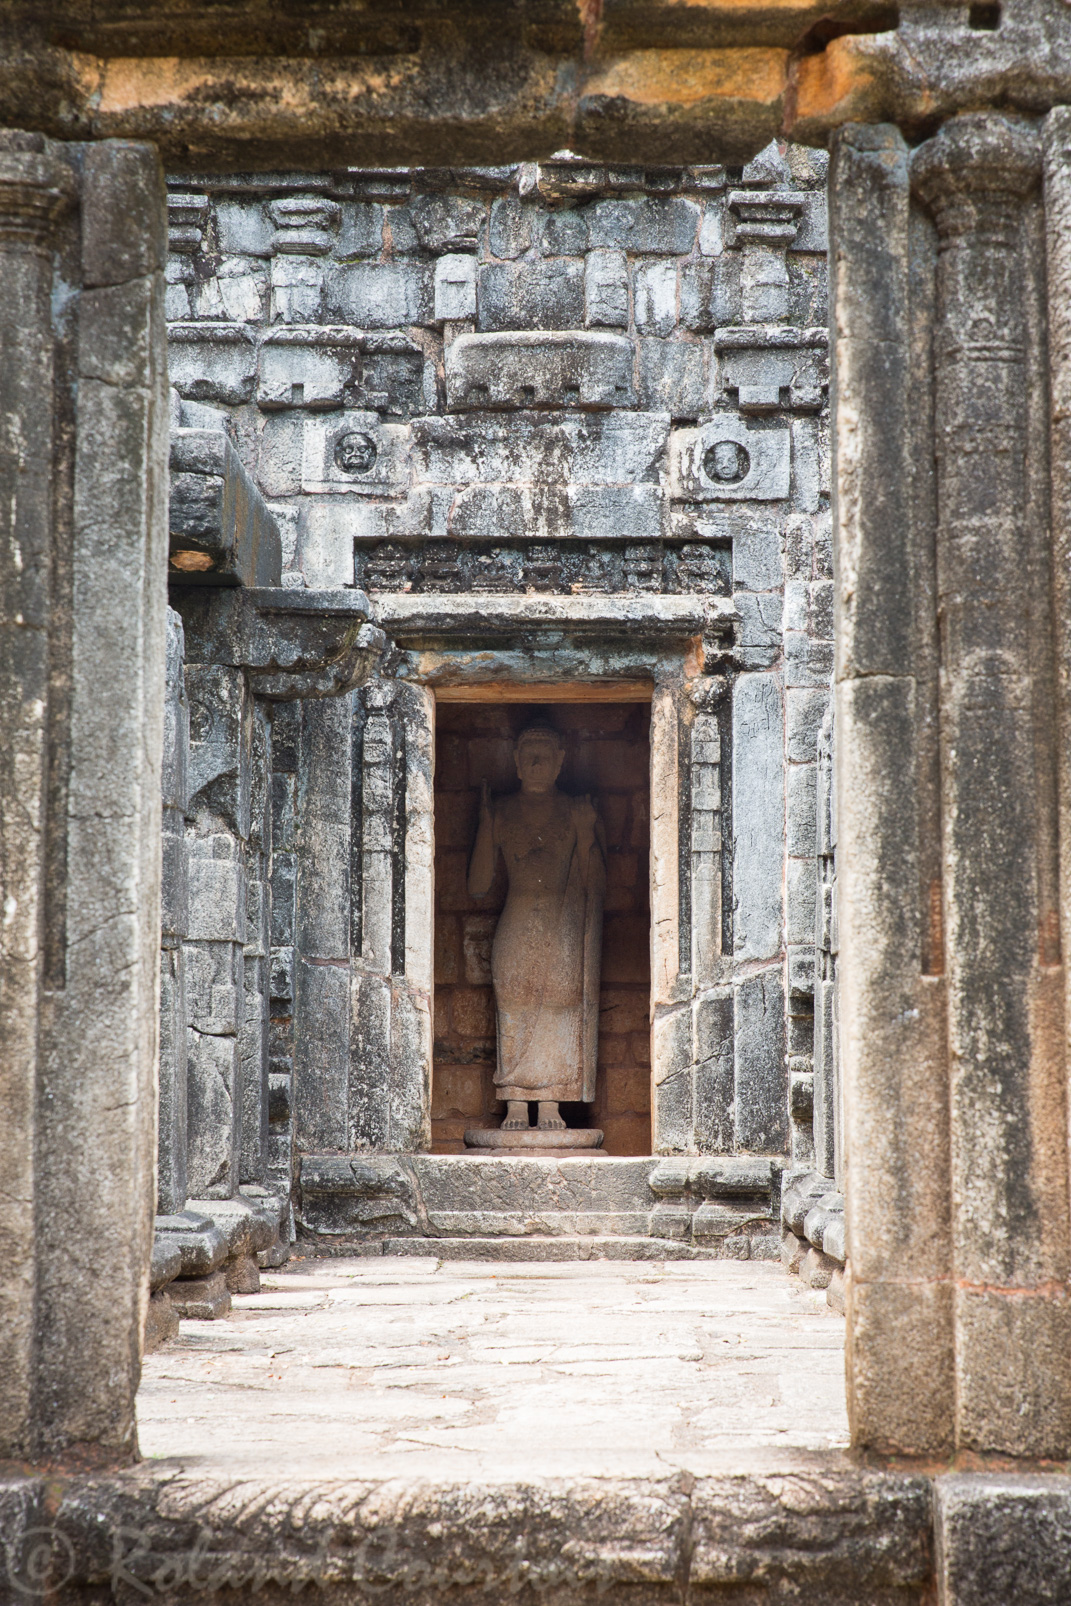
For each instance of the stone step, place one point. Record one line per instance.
(529, 1208)
(558, 1247)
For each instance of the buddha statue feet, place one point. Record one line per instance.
(517, 1116)
(549, 1119)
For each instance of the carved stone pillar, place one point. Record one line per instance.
(952, 1022)
(899, 1338)
(390, 1076)
(83, 419)
(1006, 1035)
(35, 186)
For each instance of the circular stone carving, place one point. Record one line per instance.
(355, 453)
(726, 462)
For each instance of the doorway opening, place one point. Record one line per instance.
(607, 755)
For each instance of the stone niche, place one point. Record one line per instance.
(607, 756)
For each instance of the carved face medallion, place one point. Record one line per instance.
(355, 453)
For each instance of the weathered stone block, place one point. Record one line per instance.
(771, 367)
(307, 367)
(455, 288)
(448, 222)
(611, 448)
(242, 1275)
(652, 226)
(217, 900)
(804, 713)
(1003, 1537)
(816, 1270)
(654, 297)
(354, 451)
(807, 662)
(380, 295)
(757, 563)
(757, 780)
(606, 290)
(761, 1114)
(673, 377)
(221, 529)
(202, 1299)
(799, 900)
(116, 329)
(833, 1239)
(243, 226)
(539, 370)
(828, 1208)
(515, 226)
(161, 1323)
(200, 1243)
(212, 362)
(800, 1192)
(531, 295)
(124, 223)
(360, 232)
(213, 1115)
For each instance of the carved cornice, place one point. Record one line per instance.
(975, 162)
(36, 188)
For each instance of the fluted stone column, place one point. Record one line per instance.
(83, 462)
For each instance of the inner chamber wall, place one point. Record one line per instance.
(607, 754)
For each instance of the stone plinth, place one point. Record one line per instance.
(540, 1145)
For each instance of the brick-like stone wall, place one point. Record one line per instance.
(568, 381)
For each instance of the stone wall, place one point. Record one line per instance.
(570, 381)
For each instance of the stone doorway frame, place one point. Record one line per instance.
(674, 652)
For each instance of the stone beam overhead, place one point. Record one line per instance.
(257, 86)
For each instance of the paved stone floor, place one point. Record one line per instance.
(414, 1368)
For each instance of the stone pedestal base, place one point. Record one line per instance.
(566, 1143)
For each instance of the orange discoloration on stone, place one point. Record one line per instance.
(829, 86)
(687, 77)
(296, 88)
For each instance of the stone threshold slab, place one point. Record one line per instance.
(810, 1529)
(805, 1527)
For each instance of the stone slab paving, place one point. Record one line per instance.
(414, 1368)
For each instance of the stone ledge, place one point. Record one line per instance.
(802, 1525)
(292, 643)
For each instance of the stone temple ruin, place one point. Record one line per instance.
(562, 428)
(735, 449)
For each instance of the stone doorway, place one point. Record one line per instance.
(607, 755)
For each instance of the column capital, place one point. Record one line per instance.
(976, 158)
(36, 187)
